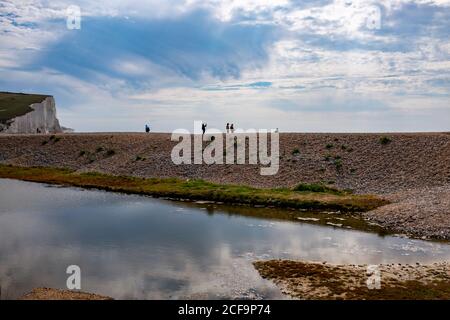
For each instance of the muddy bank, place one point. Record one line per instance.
(309, 280)
(411, 170)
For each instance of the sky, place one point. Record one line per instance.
(296, 65)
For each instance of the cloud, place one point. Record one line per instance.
(179, 60)
(191, 47)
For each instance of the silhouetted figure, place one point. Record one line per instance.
(204, 127)
(228, 127)
(147, 128)
(232, 128)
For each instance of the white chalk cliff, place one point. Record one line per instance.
(41, 120)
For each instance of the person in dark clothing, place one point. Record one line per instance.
(228, 128)
(204, 127)
(232, 128)
(147, 128)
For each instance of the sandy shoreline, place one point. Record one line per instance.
(412, 170)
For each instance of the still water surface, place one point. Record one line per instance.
(143, 248)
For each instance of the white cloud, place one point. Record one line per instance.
(313, 85)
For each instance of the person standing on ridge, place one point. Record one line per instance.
(228, 127)
(204, 127)
(147, 128)
(232, 128)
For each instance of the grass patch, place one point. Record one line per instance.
(314, 187)
(197, 190)
(91, 158)
(17, 104)
(50, 139)
(110, 152)
(385, 140)
(338, 163)
(295, 152)
(99, 149)
(329, 146)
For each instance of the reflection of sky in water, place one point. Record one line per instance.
(138, 247)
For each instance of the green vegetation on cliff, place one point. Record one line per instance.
(13, 105)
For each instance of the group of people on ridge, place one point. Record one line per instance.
(230, 128)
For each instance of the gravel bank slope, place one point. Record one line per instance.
(412, 170)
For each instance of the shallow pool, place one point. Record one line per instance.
(143, 248)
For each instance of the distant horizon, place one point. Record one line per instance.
(281, 132)
(302, 66)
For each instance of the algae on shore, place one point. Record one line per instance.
(58, 294)
(197, 189)
(312, 280)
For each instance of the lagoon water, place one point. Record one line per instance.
(137, 247)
